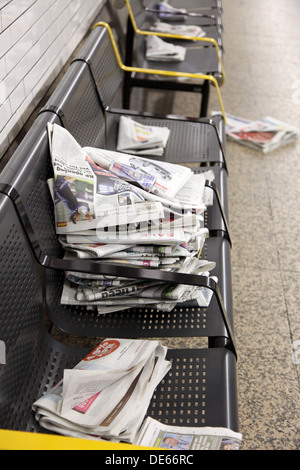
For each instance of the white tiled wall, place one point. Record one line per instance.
(37, 38)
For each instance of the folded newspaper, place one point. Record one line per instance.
(162, 436)
(179, 29)
(138, 139)
(127, 210)
(159, 50)
(265, 135)
(106, 396)
(169, 13)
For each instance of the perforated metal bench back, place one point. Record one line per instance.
(27, 172)
(76, 102)
(99, 54)
(33, 360)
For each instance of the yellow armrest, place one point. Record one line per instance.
(159, 72)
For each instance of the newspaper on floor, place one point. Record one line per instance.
(192, 31)
(158, 435)
(159, 50)
(107, 394)
(170, 238)
(138, 139)
(265, 134)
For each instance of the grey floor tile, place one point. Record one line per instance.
(260, 312)
(262, 65)
(269, 399)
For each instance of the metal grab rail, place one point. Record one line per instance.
(176, 36)
(157, 71)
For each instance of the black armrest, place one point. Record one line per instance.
(172, 117)
(96, 267)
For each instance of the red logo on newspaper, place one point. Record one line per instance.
(61, 224)
(85, 405)
(105, 348)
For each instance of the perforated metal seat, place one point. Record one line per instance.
(79, 105)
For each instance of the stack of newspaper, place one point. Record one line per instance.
(265, 135)
(122, 209)
(159, 50)
(106, 396)
(138, 139)
(180, 29)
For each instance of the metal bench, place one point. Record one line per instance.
(32, 268)
(203, 55)
(38, 208)
(35, 360)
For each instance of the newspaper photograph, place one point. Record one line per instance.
(169, 13)
(88, 196)
(166, 178)
(161, 436)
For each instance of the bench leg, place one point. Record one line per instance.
(205, 99)
(126, 91)
(128, 61)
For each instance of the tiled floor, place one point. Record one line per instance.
(262, 65)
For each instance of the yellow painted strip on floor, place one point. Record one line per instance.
(17, 440)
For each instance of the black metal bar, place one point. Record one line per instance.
(165, 85)
(171, 13)
(212, 185)
(205, 99)
(58, 112)
(128, 61)
(93, 75)
(203, 120)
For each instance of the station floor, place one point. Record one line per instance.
(262, 66)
